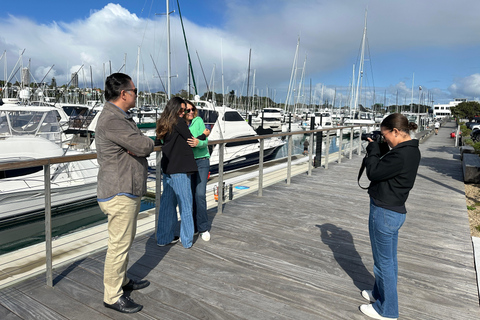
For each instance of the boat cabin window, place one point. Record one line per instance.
(232, 116)
(209, 117)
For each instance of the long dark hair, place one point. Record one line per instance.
(169, 117)
(398, 121)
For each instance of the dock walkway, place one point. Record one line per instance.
(301, 251)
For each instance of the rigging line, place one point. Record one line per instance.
(201, 67)
(164, 90)
(146, 25)
(186, 46)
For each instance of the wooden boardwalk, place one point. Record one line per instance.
(299, 252)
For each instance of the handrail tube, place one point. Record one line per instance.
(351, 143)
(260, 168)
(289, 166)
(48, 226)
(220, 178)
(340, 146)
(310, 155)
(360, 141)
(327, 150)
(158, 186)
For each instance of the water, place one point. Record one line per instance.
(30, 230)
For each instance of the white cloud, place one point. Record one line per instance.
(466, 87)
(330, 34)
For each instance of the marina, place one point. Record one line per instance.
(297, 250)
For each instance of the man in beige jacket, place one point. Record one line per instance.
(122, 150)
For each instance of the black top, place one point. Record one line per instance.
(177, 155)
(393, 175)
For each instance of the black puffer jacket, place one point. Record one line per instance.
(393, 175)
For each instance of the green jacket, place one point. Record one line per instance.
(196, 128)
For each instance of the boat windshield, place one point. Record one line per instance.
(232, 116)
(39, 123)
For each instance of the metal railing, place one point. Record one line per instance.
(47, 162)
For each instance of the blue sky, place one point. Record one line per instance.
(434, 44)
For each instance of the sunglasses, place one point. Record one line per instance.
(134, 90)
(189, 110)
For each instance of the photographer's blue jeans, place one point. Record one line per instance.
(383, 227)
(199, 191)
(176, 190)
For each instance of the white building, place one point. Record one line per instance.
(443, 110)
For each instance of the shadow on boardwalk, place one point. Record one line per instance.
(301, 251)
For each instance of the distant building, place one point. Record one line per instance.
(25, 76)
(443, 110)
(74, 82)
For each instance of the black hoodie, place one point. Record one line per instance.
(392, 176)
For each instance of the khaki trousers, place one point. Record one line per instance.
(122, 213)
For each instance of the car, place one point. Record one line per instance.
(475, 135)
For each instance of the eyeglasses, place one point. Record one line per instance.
(134, 90)
(189, 110)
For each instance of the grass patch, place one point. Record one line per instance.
(471, 208)
(478, 228)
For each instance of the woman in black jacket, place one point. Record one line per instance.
(391, 178)
(178, 164)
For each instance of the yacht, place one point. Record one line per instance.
(227, 123)
(30, 133)
(269, 118)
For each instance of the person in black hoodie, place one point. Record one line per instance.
(391, 176)
(178, 164)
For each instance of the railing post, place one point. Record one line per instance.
(310, 154)
(289, 162)
(327, 149)
(359, 152)
(340, 146)
(260, 168)
(351, 143)
(48, 224)
(158, 186)
(221, 149)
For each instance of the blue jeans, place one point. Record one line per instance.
(176, 190)
(383, 227)
(199, 191)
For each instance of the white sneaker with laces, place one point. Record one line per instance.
(367, 295)
(205, 236)
(368, 310)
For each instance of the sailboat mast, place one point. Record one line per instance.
(168, 52)
(360, 68)
(138, 72)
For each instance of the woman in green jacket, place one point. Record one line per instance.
(199, 179)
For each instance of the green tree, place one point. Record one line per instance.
(466, 110)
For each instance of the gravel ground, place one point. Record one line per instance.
(472, 195)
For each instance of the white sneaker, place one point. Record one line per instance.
(205, 236)
(367, 295)
(368, 310)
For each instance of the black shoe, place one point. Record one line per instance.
(125, 305)
(175, 240)
(136, 285)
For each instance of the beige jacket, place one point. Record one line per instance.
(120, 171)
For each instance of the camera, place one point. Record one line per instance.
(374, 135)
